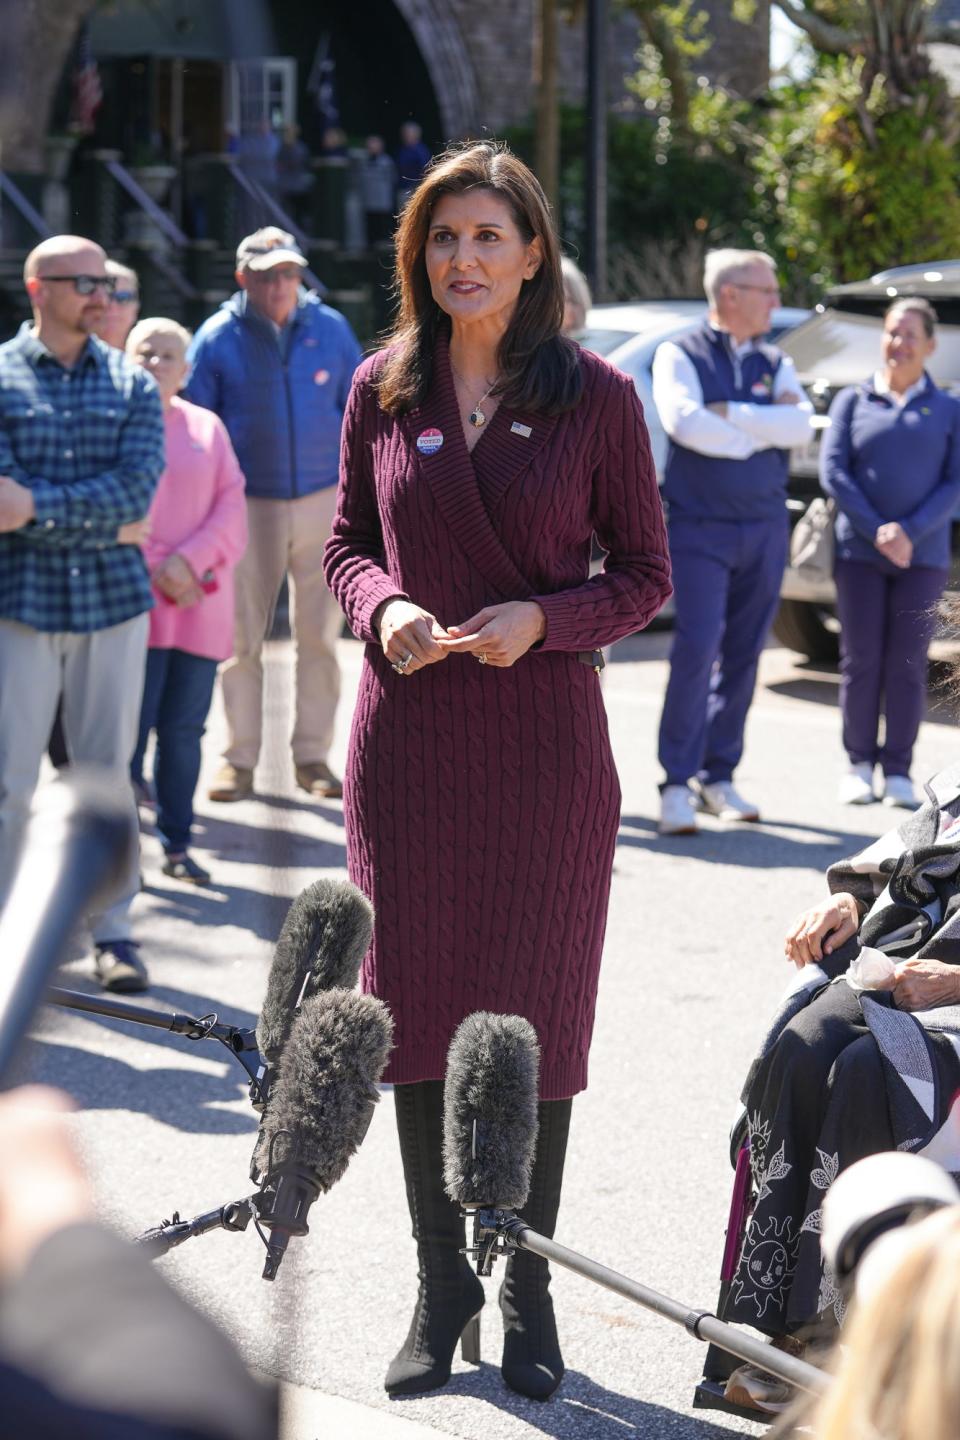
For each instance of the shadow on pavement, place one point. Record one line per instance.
(182, 1098)
(236, 905)
(236, 839)
(331, 810)
(759, 847)
(580, 1408)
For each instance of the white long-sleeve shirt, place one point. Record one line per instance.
(678, 396)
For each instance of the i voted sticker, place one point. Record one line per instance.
(429, 441)
(321, 377)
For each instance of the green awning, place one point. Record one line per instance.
(188, 29)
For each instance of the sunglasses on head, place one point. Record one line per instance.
(83, 284)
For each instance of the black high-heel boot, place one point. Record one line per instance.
(532, 1362)
(450, 1296)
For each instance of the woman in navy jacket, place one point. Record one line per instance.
(891, 461)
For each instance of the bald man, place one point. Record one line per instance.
(81, 451)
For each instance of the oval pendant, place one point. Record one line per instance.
(477, 418)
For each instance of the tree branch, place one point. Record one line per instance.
(832, 39)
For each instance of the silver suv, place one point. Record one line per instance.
(840, 345)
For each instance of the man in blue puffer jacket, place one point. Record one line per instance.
(275, 364)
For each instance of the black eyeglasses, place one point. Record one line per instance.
(83, 284)
(125, 297)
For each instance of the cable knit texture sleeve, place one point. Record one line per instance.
(628, 521)
(354, 560)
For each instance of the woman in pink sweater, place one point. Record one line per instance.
(198, 532)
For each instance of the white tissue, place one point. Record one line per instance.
(872, 970)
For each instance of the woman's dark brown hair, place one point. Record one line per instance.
(539, 368)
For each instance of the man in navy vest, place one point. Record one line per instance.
(732, 407)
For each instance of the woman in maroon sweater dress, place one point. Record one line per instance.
(481, 454)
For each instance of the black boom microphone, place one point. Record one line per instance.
(490, 1126)
(320, 1108)
(78, 842)
(323, 940)
(490, 1111)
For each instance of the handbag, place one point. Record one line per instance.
(812, 544)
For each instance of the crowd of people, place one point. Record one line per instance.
(445, 494)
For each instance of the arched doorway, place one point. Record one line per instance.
(384, 70)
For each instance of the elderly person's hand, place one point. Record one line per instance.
(499, 634)
(409, 635)
(925, 984)
(821, 929)
(894, 542)
(174, 578)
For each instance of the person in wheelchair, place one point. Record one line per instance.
(863, 1056)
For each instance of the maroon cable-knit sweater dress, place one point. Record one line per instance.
(482, 803)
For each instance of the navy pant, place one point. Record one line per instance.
(726, 585)
(886, 622)
(177, 691)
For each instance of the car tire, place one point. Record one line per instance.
(807, 629)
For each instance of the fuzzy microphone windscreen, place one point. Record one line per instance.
(490, 1110)
(326, 932)
(322, 1100)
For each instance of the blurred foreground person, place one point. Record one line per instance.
(198, 531)
(891, 461)
(81, 450)
(482, 452)
(94, 1344)
(897, 1373)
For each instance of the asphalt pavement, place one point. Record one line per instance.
(693, 967)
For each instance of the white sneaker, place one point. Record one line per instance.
(856, 787)
(722, 800)
(898, 790)
(678, 811)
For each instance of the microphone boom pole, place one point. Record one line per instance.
(497, 1232)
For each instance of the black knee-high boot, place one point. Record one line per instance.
(450, 1295)
(532, 1363)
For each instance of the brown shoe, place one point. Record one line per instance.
(231, 783)
(318, 779)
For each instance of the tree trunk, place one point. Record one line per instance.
(37, 41)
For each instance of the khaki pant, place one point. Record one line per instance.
(286, 537)
(100, 676)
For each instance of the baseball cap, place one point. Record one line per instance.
(267, 247)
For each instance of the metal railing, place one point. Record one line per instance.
(10, 191)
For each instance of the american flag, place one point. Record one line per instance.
(87, 90)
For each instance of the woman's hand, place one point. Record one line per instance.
(409, 635)
(807, 939)
(894, 542)
(924, 984)
(498, 634)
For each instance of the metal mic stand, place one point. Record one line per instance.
(241, 1043)
(497, 1232)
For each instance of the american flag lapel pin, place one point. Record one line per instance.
(525, 430)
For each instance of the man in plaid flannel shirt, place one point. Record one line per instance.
(81, 451)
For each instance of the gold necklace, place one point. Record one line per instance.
(476, 417)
